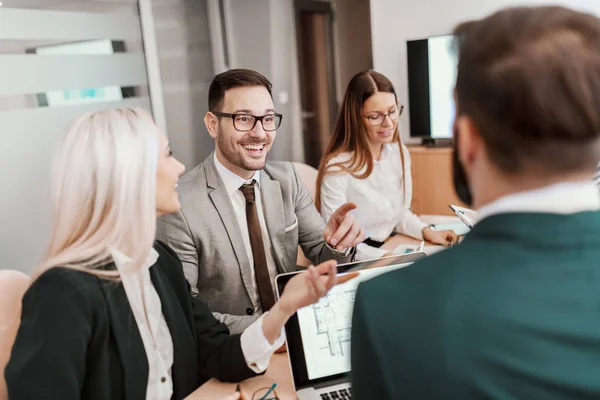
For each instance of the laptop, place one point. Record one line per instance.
(318, 336)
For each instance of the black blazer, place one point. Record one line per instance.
(78, 338)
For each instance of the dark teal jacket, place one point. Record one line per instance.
(513, 312)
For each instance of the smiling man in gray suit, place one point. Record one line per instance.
(241, 218)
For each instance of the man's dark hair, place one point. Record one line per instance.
(530, 80)
(232, 79)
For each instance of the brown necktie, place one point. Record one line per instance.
(265, 289)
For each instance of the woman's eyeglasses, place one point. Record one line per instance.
(378, 119)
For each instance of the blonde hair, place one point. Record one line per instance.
(104, 191)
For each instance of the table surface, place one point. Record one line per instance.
(278, 371)
(279, 368)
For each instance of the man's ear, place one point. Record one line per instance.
(212, 124)
(470, 143)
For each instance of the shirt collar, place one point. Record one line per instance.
(386, 150)
(122, 260)
(559, 198)
(232, 181)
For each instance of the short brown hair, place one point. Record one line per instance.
(529, 77)
(233, 78)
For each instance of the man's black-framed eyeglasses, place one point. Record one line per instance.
(247, 122)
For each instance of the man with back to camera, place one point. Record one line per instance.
(241, 218)
(513, 312)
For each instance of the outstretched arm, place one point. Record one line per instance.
(235, 358)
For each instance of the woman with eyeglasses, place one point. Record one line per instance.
(366, 163)
(109, 314)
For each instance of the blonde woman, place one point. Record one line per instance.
(109, 315)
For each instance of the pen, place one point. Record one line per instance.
(272, 388)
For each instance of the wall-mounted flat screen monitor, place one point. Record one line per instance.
(431, 79)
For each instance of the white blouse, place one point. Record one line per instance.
(383, 207)
(156, 336)
(154, 331)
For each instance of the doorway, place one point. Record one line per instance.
(314, 34)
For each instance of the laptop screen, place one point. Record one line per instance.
(318, 336)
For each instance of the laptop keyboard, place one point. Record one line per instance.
(341, 394)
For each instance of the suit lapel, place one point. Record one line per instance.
(220, 199)
(128, 340)
(184, 354)
(272, 204)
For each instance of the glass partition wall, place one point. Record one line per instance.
(60, 59)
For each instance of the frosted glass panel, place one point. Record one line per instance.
(59, 59)
(87, 95)
(33, 73)
(35, 121)
(65, 25)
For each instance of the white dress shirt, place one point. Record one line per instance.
(233, 183)
(154, 331)
(559, 198)
(156, 335)
(383, 206)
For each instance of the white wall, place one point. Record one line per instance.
(352, 41)
(394, 22)
(286, 81)
(184, 53)
(262, 37)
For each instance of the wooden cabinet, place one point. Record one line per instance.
(431, 171)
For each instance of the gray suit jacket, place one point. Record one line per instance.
(206, 236)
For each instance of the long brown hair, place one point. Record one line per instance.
(350, 133)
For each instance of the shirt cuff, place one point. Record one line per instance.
(345, 253)
(419, 229)
(412, 227)
(365, 252)
(256, 348)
